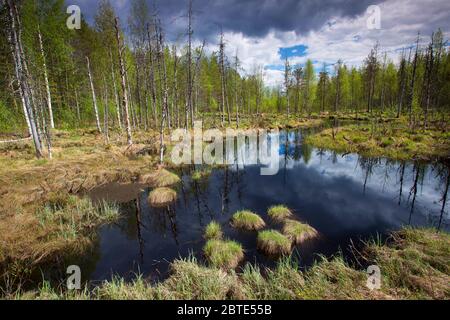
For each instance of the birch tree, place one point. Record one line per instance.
(121, 48)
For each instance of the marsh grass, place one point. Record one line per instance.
(247, 220)
(191, 281)
(279, 213)
(414, 264)
(394, 140)
(213, 231)
(224, 254)
(160, 178)
(299, 232)
(198, 175)
(162, 197)
(273, 243)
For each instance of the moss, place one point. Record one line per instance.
(279, 213)
(393, 139)
(213, 231)
(298, 232)
(161, 197)
(223, 253)
(273, 243)
(247, 220)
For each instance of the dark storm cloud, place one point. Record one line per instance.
(251, 17)
(257, 17)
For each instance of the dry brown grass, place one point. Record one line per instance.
(160, 178)
(162, 197)
(81, 161)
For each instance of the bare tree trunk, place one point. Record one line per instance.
(94, 98)
(222, 78)
(413, 80)
(123, 83)
(162, 69)
(106, 113)
(47, 86)
(236, 102)
(116, 96)
(152, 77)
(22, 73)
(189, 70)
(78, 107)
(175, 85)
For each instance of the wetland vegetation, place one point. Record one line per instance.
(86, 176)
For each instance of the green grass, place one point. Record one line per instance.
(393, 140)
(413, 262)
(247, 220)
(198, 175)
(224, 254)
(415, 265)
(279, 213)
(273, 243)
(298, 232)
(213, 231)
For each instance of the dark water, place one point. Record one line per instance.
(345, 197)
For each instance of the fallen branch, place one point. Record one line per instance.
(15, 140)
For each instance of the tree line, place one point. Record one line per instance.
(128, 76)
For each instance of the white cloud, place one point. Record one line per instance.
(344, 38)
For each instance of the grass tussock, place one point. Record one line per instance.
(224, 254)
(213, 231)
(279, 213)
(160, 178)
(299, 232)
(273, 243)
(247, 220)
(414, 265)
(161, 197)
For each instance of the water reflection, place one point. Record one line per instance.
(344, 197)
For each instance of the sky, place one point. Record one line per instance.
(264, 33)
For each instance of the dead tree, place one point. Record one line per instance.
(189, 70)
(165, 91)
(123, 83)
(222, 79)
(94, 98)
(106, 112)
(47, 86)
(152, 82)
(116, 96)
(22, 74)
